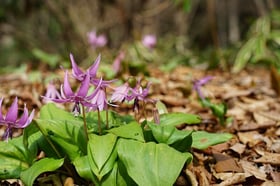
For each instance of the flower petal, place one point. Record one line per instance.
(83, 90)
(93, 69)
(76, 71)
(66, 86)
(13, 111)
(95, 90)
(22, 119)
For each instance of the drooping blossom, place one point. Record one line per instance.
(10, 120)
(51, 92)
(100, 99)
(120, 93)
(80, 97)
(117, 62)
(95, 40)
(199, 83)
(149, 41)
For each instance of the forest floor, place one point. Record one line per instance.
(251, 157)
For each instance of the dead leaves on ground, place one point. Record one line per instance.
(252, 157)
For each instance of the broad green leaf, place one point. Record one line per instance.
(131, 131)
(68, 135)
(52, 112)
(175, 119)
(151, 164)
(101, 153)
(44, 165)
(13, 158)
(202, 139)
(114, 120)
(169, 135)
(114, 178)
(82, 167)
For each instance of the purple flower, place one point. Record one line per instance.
(79, 74)
(138, 92)
(51, 92)
(120, 93)
(92, 71)
(199, 83)
(96, 41)
(149, 41)
(80, 97)
(100, 99)
(11, 121)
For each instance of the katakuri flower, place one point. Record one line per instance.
(96, 41)
(10, 120)
(199, 83)
(80, 97)
(120, 93)
(79, 74)
(92, 71)
(149, 41)
(51, 92)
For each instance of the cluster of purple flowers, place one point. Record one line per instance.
(97, 99)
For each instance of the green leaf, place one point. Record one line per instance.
(202, 139)
(102, 153)
(13, 158)
(44, 165)
(51, 59)
(114, 178)
(68, 135)
(52, 112)
(219, 110)
(82, 166)
(175, 119)
(161, 107)
(169, 135)
(244, 54)
(131, 131)
(151, 164)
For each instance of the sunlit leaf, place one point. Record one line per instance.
(102, 153)
(130, 131)
(175, 119)
(44, 165)
(202, 139)
(151, 163)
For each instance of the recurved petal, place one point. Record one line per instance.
(26, 120)
(13, 111)
(22, 119)
(77, 72)
(91, 96)
(66, 86)
(93, 69)
(83, 90)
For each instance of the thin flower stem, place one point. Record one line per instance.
(85, 123)
(99, 122)
(107, 117)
